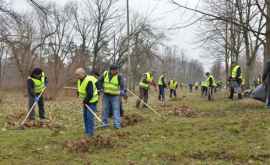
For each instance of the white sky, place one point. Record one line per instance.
(164, 15)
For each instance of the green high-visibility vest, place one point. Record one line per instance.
(204, 84)
(112, 86)
(145, 83)
(160, 82)
(208, 80)
(39, 85)
(173, 84)
(234, 71)
(81, 86)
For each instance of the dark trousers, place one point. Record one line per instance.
(40, 107)
(190, 88)
(204, 91)
(172, 93)
(161, 95)
(232, 94)
(143, 96)
(210, 91)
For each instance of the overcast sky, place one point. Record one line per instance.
(163, 15)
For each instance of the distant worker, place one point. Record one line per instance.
(235, 80)
(266, 81)
(144, 86)
(211, 85)
(161, 85)
(196, 85)
(87, 91)
(204, 87)
(36, 84)
(190, 85)
(173, 86)
(113, 87)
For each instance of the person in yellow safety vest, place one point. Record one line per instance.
(36, 83)
(210, 84)
(204, 87)
(88, 93)
(144, 86)
(235, 80)
(196, 85)
(161, 85)
(113, 88)
(173, 85)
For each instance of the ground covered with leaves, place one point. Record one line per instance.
(192, 131)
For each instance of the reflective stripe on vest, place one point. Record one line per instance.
(111, 86)
(81, 86)
(234, 71)
(39, 85)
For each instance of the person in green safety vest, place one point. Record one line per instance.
(204, 87)
(235, 80)
(88, 93)
(173, 85)
(211, 85)
(144, 85)
(113, 88)
(161, 85)
(36, 83)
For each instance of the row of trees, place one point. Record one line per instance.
(90, 34)
(235, 30)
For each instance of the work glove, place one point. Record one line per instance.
(36, 98)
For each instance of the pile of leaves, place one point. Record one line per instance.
(184, 111)
(129, 120)
(85, 144)
(250, 103)
(13, 120)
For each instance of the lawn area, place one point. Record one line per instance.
(217, 132)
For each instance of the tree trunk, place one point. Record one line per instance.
(267, 45)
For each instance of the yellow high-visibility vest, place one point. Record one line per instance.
(81, 86)
(39, 85)
(111, 86)
(173, 84)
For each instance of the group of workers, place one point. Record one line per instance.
(111, 86)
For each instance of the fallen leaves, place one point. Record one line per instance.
(129, 120)
(184, 111)
(84, 144)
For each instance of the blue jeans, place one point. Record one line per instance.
(161, 96)
(89, 123)
(114, 101)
